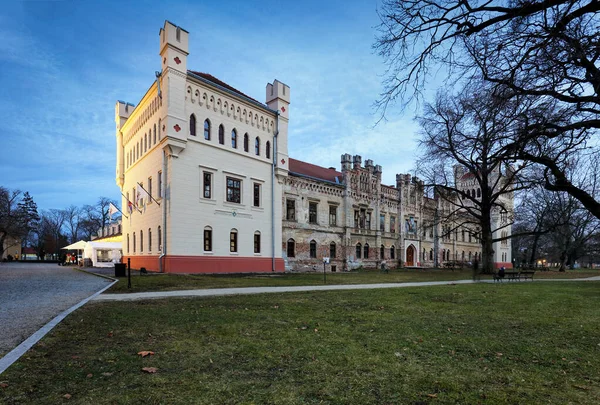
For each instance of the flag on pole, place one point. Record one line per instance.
(112, 210)
(141, 193)
(130, 207)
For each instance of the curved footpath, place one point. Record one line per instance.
(261, 290)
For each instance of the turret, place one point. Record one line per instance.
(346, 162)
(357, 160)
(278, 99)
(122, 111)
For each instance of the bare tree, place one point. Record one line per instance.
(464, 140)
(73, 222)
(545, 51)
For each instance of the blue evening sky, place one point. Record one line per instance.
(65, 63)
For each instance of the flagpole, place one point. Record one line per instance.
(135, 205)
(148, 194)
(117, 208)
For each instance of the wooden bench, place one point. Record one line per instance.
(526, 275)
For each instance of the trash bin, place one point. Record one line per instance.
(120, 269)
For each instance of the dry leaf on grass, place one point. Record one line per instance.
(150, 370)
(3, 385)
(145, 353)
(432, 395)
(67, 396)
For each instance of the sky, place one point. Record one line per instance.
(65, 63)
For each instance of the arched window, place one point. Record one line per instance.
(207, 239)
(424, 255)
(193, 125)
(444, 254)
(257, 146)
(159, 129)
(473, 193)
(145, 142)
(207, 130)
(246, 147)
(431, 254)
(233, 241)
(392, 252)
(128, 243)
(382, 252)
(478, 193)
(221, 135)
(268, 150)
(154, 143)
(134, 242)
(332, 250)
(366, 255)
(313, 249)
(469, 193)
(358, 250)
(291, 248)
(141, 241)
(256, 242)
(463, 255)
(469, 256)
(159, 239)
(149, 240)
(234, 139)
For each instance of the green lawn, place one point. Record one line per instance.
(518, 343)
(169, 282)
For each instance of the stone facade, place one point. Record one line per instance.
(356, 221)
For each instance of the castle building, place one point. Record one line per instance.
(207, 186)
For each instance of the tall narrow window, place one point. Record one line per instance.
(257, 146)
(382, 222)
(368, 218)
(257, 242)
(313, 249)
(127, 243)
(207, 184)
(221, 134)
(332, 215)
(312, 212)
(149, 240)
(393, 224)
(208, 239)
(150, 190)
(366, 255)
(193, 125)
(159, 129)
(207, 130)
(246, 147)
(234, 139)
(159, 239)
(358, 251)
(154, 143)
(291, 248)
(233, 241)
(234, 187)
(382, 252)
(392, 252)
(290, 206)
(134, 242)
(145, 142)
(268, 150)
(256, 196)
(332, 250)
(141, 241)
(160, 191)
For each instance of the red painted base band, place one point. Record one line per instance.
(206, 264)
(506, 265)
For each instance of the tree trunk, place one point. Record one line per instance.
(536, 239)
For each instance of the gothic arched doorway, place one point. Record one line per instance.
(410, 255)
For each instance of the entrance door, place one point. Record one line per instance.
(410, 256)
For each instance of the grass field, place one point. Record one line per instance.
(518, 343)
(169, 282)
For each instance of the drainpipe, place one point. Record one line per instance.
(164, 209)
(273, 165)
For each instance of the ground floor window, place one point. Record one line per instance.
(257, 242)
(358, 250)
(233, 241)
(291, 248)
(313, 249)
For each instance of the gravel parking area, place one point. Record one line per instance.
(31, 294)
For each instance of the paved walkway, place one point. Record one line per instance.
(262, 290)
(31, 294)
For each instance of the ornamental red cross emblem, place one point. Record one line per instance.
(177, 128)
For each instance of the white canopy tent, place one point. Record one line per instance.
(76, 246)
(103, 254)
